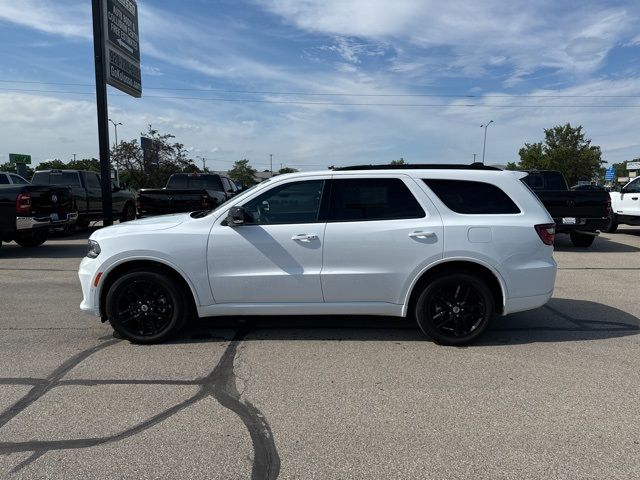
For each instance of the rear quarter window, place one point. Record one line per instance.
(472, 198)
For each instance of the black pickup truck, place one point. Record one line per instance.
(580, 213)
(87, 193)
(27, 212)
(186, 192)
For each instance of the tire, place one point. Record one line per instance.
(128, 213)
(32, 239)
(166, 308)
(581, 240)
(612, 226)
(463, 300)
(82, 224)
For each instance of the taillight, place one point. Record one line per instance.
(23, 203)
(546, 232)
(609, 209)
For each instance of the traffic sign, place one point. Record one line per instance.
(122, 46)
(19, 158)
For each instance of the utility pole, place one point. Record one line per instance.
(204, 162)
(474, 157)
(103, 115)
(74, 157)
(484, 145)
(271, 163)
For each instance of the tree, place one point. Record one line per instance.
(243, 172)
(565, 149)
(52, 165)
(152, 172)
(398, 162)
(287, 170)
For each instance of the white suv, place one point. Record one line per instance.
(447, 245)
(625, 205)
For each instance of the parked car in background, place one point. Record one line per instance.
(186, 192)
(625, 206)
(580, 213)
(448, 245)
(27, 212)
(7, 178)
(87, 192)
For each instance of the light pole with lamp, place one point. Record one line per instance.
(484, 145)
(115, 126)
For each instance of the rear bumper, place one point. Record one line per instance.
(31, 223)
(584, 224)
(526, 303)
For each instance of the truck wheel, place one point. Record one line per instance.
(32, 239)
(129, 213)
(612, 226)
(146, 307)
(455, 308)
(581, 240)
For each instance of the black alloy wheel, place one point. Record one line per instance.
(129, 213)
(455, 308)
(145, 306)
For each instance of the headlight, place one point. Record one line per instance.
(93, 249)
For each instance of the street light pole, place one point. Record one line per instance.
(484, 145)
(115, 126)
(271, 163)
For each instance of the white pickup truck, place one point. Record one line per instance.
(625, 206)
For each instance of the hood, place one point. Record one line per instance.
(151, 224)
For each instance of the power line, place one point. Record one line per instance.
(327, 94)
(337, 104)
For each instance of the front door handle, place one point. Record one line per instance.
(420, 234)
(304, 237)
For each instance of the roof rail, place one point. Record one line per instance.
(419, 166)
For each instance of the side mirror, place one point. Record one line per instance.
(236, 216)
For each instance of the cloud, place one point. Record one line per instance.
(71, 20)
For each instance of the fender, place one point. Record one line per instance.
(496, 273)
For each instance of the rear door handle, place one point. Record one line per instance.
(304, 237)
(634, 198)
(420, 234)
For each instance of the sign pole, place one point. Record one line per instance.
(103, 114)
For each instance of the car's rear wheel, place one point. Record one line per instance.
(455, 308)
(146, 306)
(581, 240)
(128, 213)
(32, 239)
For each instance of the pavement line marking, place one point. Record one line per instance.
(38, 269)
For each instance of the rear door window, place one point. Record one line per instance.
(365, 199)
(4, 180)
(472, 198)
(18, 180)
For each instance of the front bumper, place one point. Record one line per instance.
(52, 220)
(87, 273)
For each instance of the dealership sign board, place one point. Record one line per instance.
(633, 165)
(122, 46)
(19, 158)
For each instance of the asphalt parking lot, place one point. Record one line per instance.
(551, 393)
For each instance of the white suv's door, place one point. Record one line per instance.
(629, 203)
(276, 256)
(380, 233)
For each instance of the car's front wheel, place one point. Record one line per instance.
(146, 306)
(455, 308)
